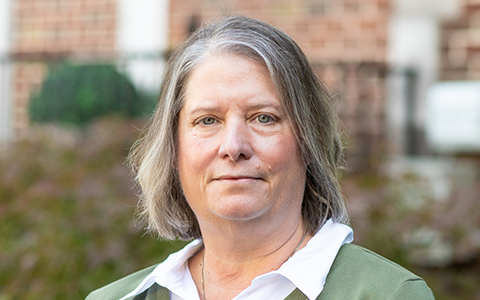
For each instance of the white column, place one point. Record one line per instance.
(414, 43)
(6, 132)
(142, 33)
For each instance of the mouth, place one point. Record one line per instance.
(236, 178)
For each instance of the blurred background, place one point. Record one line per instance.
(78, 78)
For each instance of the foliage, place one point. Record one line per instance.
(399, 218)
(67, 203)
(75, 94)
(66, 213)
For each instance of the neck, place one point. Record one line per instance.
(233, 258)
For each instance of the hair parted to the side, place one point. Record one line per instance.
(305, 99)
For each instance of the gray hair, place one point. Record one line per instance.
(307, 103)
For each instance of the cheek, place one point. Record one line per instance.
(282, 153)
(195, 154)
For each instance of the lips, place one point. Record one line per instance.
(236, 178)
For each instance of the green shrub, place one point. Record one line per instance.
(398, 218)
(66, 213)
(67, 203)
(75, 94)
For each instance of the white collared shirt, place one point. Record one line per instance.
(306, 270)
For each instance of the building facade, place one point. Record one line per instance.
(40, 32)
(357, 47)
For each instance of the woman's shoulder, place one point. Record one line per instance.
(121, 287)
(364, 260)
(363, 274)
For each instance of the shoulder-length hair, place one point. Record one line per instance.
(307, 103)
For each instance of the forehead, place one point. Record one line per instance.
(224, 61)
(225, 75)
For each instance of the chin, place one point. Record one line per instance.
(240, 209)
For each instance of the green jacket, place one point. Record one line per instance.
(356, 274)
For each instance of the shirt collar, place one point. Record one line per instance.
(169, 271)
(307, 269)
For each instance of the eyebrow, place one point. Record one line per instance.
(255, 106)
(203, 108)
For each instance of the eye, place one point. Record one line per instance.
(264, 119)
(207, 121)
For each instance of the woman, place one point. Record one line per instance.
(242, 156)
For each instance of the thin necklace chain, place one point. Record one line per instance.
(203, 263)
(203, 280)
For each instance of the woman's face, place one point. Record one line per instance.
(238, 157)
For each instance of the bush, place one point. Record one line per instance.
(66, 213)
(75, 94)
(399, 218)
(67, 203)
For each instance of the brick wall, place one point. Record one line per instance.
(51, 29)
(461, 44)
(327, 30)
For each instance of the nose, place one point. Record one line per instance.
(235, 141)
